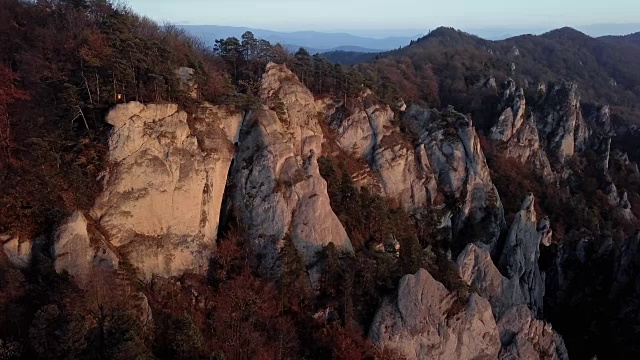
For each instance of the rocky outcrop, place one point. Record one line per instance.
(426, 321)
(478, 271)
(452, 149)
(19, 251)
(517, 134)
(371, 133)
(516, 297)
(163, 191)
(77, 252)
(561, 125)
(519, 259)
(626, 267)
(278, 190)
(522, 336)
(512, 117)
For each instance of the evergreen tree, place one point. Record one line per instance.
(304, 66)
(294, 281)
(411, 256)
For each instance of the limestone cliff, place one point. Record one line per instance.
(519, 259)
(562, 128)
(522, 336)
(424, 321)
(452, 149)
(402, 171)
(278, 189)
(162, 193)
(516, 132)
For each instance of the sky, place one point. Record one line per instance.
(392, 17)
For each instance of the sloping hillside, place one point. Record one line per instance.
(465, 66)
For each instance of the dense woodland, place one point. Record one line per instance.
(64, 63)
(606, 69)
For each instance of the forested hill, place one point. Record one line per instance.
(631, 38)
(606, 69)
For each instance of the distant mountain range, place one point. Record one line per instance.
(324, 42)
(311, 40)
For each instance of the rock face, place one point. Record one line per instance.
(278, 187)
(162, 195)
(522, 336)
(478, 271)
(512, 117)
(77, 252)
(561, 125)
(371, 133)
(626, 267)
(518, 134)
(519, 259)
(424, 323)
(451, 148)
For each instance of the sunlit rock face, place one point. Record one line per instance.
(401, 171)
(278, 188)
(522, 335)
(423, 322)
(79, 249)
(162, 194)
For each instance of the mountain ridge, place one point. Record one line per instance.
(315, 40)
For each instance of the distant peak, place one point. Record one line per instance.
(451, 35)
(565, 32)
(444, 31)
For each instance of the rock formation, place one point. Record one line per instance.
(512, 117)
(561, 126)
(452, 149)
(478, 271)
(403, 173)
(426, 321)
(522, 336)
(519, 259)
(517, 133)
(278, 187)
(77, 252)
(626, 267)
(162, 194)
(18, 251)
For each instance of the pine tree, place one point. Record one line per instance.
(411, 255)
(294, 282)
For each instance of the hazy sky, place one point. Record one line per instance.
(339, 15)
